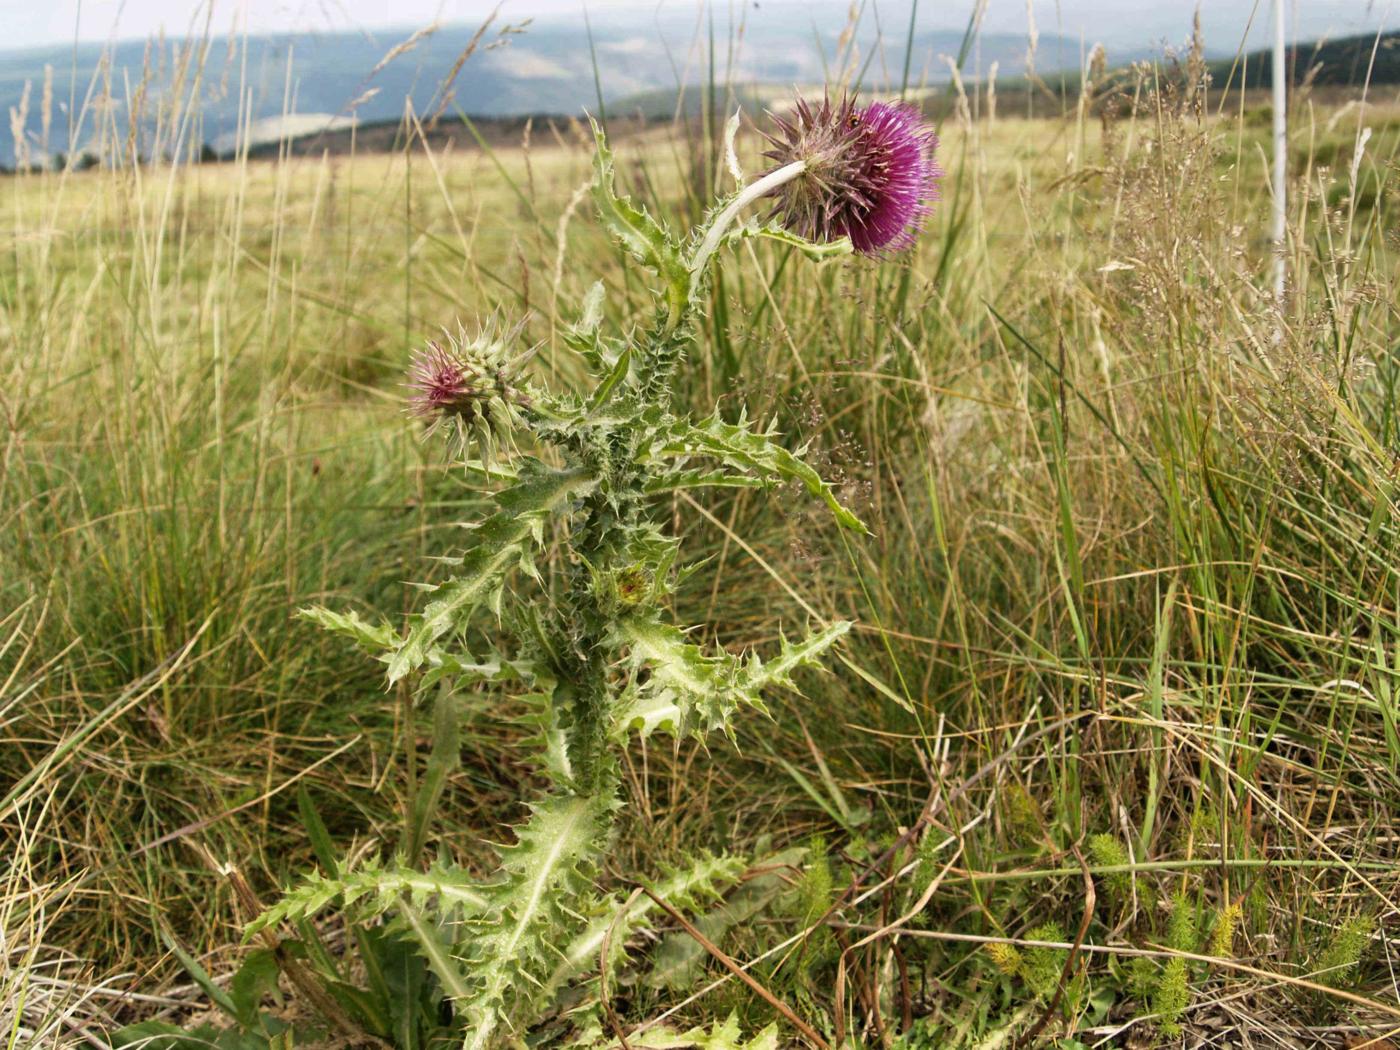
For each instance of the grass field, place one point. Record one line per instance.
(1124, 671)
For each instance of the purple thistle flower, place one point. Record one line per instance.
(870, 176)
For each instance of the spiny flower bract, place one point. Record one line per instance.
(870, 176)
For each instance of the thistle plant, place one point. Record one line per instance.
(596, 656)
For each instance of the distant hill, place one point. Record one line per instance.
(316, 86)
(1336, 68)
(1338, 63)
(323, 79)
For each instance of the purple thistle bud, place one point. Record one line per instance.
(870, 173)
(470, 386)
(441, 383)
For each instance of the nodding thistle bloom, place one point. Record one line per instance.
(471, 386)
(869, 174)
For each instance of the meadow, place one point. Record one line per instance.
(1110, 757)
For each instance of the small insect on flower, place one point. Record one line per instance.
(870, 173)
(470, 386)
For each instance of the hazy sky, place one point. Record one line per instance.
(28, 23)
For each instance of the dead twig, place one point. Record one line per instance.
(729, 964)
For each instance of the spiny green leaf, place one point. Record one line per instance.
(503, 541)
(686, 887)
(740, 447)
(373, 638)
(818, 251)
(703, 689)
(650, 710)
(542, 715)
(585, 336)
(634, 229)
(443, 665)
(514, 946)
(689, 690)
(699, 479)
(679, 957)
(591, 316)
(722, 1035)
(778, 671)
(382, 641)
(370, 891)
(619, 371)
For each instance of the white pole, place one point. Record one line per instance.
(1280, 80)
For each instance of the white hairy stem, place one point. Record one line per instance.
(725, 219)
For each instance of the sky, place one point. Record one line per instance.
(33, 23)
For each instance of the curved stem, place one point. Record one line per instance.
(720, 226)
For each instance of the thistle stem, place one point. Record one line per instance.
(724, 219)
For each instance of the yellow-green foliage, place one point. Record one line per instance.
(1181, 926)
(1022, 815)
(1173, 992)
(1142, 978)
(1041, 967)
(814, 888)
(1172, 996)
(1120, 887)
(1107, 852)
(1342, 955)
(1222, 934)
(1006, 958)
(814, 897)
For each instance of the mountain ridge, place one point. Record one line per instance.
(548, 69)
(291, 85)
